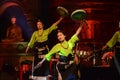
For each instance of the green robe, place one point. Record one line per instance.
(41, 35)
(64, 49)
(114, 39)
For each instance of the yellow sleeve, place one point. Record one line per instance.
(50, 29)
(53, 51)
(32, 40)
(113, 40)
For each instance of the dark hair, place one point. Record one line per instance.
(40, 21)
(61, 32)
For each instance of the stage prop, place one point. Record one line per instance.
(79, 14)
(62, 11)
(9, 9)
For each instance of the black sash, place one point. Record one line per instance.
(66, 58)
(40, 44)
(64, 61)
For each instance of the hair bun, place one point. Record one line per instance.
(59, 31)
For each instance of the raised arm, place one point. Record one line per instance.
(80, 28)
(58, 21)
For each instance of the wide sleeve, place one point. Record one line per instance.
(32, 40)
(54, 50)
(113, 40)
(50, 29)
(73, 40)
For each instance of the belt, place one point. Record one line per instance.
(41, 49)
(41, 56)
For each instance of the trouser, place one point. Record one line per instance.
(44, 69)
(66, 73)
(117, 59)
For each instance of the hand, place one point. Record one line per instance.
(104, 47)
(61, 17)
(26, 51)
(38, 65)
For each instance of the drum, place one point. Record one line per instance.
(78, 14)
(62, 11)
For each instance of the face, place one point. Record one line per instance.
(13, 20)
(61, 36)
(39, 25)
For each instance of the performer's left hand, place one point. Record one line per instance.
(39, 64)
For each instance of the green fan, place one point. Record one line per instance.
(62, 11)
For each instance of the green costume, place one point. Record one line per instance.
(41, 35)
(39, 39)
(114, 39)
(63, 49)
(115, 42)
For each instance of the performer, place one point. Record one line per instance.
(65, 67)
(107, 58)
(39, 43)
(114, 42)
(14, 32)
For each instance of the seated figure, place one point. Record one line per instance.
(14, 32)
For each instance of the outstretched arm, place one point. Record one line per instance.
(27, 49)
(58, 21)
(104, 47)
(39, 64)
(79, 28)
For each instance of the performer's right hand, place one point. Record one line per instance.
(26, 51)
(40, 63)
(104, 47)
